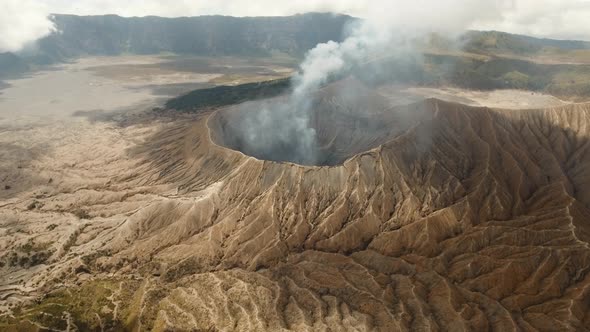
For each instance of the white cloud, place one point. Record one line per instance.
(22, 22)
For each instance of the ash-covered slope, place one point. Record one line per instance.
(432, 216)
(468, 219)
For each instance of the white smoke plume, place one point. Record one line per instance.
(283, 131)
(21, 23)
(389, 27)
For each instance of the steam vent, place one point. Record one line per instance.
(346, 119)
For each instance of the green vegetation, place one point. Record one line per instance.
(516, 79)
(228, 95)
(570, 81)
(91, 307)
(496, 42)
(573, 82)
(81, 213)
(90, 259)
(27, 255)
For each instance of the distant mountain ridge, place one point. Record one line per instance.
(503, 42)
(78, 36)
(206, 35)
(203, 35)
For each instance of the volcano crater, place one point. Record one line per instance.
(339, 127)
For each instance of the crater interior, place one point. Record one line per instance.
(346, 119)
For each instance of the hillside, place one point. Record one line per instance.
(497, 42)
(248, 36)
(78, 36)
(568, 81)
(456, 218)
(502, 42)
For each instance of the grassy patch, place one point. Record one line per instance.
(28, 254)
(90, 306)
(516, 79)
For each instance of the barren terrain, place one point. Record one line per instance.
(67, 130)
(465, 212)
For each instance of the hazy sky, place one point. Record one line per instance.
(24, 20)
